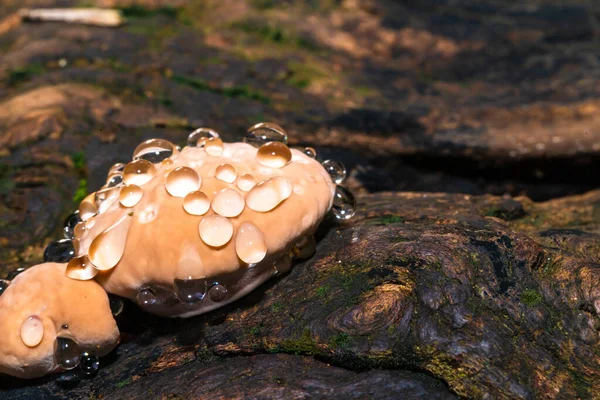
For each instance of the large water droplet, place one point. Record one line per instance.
(13, 274)
(138, 172)
(268, 194)
(190, 290)
(87, 207)
(304, 247)
(250, 243)
(108, 247)
(154, 150)
(89, 364)
(283, 264)
(265, 132)
(217, 292)
(228, 203)
(181, 181)
(59, 251)
(4, 284)
(114, 180)
(310, 152)
(116, 304)
(336, 170)
(69, 226)
(274, 155)
(199, 136)
(130, 195)
(118, 167)
(66, 351)
(215, 230)
(146, 297)
(80, 268)
(32, 331)
(344, 204)
(226, 173)
(196, 203)
(189, 265)
(246, 182)
(213, 147)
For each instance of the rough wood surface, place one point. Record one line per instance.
(440, 287)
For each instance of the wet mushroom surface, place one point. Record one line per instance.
(469, 135)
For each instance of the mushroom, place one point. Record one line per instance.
(189, 231)
(49, 320)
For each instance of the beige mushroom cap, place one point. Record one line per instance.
(158, 241)
(45, 292)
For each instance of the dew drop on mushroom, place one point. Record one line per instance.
(181, 181)
(138, 172)
(154, 150)
(344, 204)
(265, 132)
(66, 351)
(336, 170)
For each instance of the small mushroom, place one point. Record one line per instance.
(40, 310)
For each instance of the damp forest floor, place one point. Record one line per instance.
(471, 133)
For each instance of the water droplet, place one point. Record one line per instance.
(199, 137)
(217, 292)
(181, 181)
(226, 173)
(80, 229)
(138, 172)
(13, 274)
(116, 304)
(4, 284)
(215, 230)
(274, 155)
(344, 204)
(196, 203)
(32, 331)
(114, 180)
(190, 290)
(59, 251)
(246, 182)
(89, 364)
(228, 203)
(213, 147)
(189, 265)
(66, 351)
(154, 150)
(268, 194)
(250, 243)
(87, 207)
(118, 167)
(310, 152)
(69, 226)
(80, 268)
(265, 132)
(130, 195)
(304, 247)
(283, 264)
(105, 198)
(336, 171)
(108, 247)
(146, 297)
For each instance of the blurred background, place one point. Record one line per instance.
(463, 96)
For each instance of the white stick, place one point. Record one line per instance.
(87, 16)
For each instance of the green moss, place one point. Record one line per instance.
(276, 307)
(531, 297)
(262, 4)
(305, 345)
(123, 383)
(390, 219)
(341, 340)
(581, 384)
(78, 159)
(20, 75)
(81, 191)
(273, 33)
(234, 91)
(323, 291)
(302, 75)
